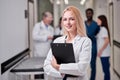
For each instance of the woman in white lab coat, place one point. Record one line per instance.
(43, 35)
(75, 33)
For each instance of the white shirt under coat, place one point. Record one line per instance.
(40, 39)
(82, 51)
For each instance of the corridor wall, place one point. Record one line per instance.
(116, 38)
(13, 30)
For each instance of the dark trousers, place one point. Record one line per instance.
(65, 77)
(106, 67)
(93, 66)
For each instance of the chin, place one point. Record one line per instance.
(69, 30)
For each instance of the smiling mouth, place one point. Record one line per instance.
(68, 27)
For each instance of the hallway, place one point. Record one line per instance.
(18, 18)
(99, 73)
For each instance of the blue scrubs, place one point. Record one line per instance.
(92, 31)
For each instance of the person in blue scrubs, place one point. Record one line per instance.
(92, 29)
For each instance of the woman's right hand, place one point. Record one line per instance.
(54, 63)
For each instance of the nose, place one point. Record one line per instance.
(68, 21)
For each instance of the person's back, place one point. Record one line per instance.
(92, 29)
(43, 35)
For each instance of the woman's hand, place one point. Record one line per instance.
(54, 63)
(106, 42)
(99, 53)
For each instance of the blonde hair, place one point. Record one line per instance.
(79, 21)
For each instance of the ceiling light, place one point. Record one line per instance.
(82, 2)
(58, 2)
(66, 1)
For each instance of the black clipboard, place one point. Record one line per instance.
(63, 52)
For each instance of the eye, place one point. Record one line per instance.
(72, 19)
(64, 19)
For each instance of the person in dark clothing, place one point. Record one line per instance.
(92, 29)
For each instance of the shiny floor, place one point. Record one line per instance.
(99, 73)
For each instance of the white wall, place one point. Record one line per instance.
(100, 8)
(116, 37)
(13, 30)
(56, 12)
(116, 20)
(89, 4)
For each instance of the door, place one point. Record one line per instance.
(31, 24)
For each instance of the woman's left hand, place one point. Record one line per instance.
(54, 63)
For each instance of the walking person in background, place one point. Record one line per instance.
(75, 33)
(42, 35)
(103, 39)
(92, 30)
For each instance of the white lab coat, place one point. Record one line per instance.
(58, 31)
(41, 43)
(82, 52)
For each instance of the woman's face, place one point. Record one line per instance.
(99, 22)
(69, 22)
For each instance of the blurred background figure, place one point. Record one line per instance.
(92, 30)
(43, 35)
(103, 39)
(58, 30)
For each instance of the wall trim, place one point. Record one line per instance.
(111, 3)
(116, 73)
(116, 43)
(12, 61)
(31, 1)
